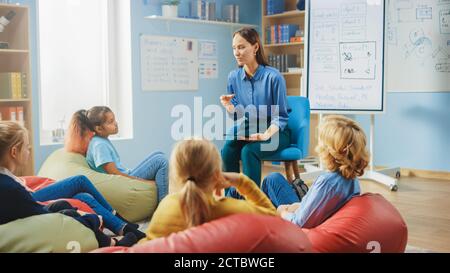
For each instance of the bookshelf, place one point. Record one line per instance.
(198, 21)
(290, 16)
(293, 79)
(15, 73)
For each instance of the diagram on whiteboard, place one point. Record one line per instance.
(418, 36)
(358, 60)
(344, 64)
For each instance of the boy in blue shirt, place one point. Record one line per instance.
(342, 150)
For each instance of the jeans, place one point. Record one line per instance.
(279, 190)
(251, 154)
(155, 167)
(81, 188)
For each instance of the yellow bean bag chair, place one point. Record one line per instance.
(133, 199)
(48, 233)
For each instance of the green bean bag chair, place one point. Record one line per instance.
(133, 199)
(48, 233)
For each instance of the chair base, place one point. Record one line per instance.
(382, 177)
(312, 172)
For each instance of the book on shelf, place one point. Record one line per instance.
(283, 61)
(13, 85)
(13, 113)
(279, 34)
(295, 70)
(274, 7)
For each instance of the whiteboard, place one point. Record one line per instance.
(418, 43)
(345, 72)
(169, 63)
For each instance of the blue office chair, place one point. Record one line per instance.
(298, 124)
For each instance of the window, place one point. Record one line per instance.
(85, 60)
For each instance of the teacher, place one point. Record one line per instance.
(254, 85)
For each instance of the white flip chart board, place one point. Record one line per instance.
(346, 56)
(169, 63)
(418, 44)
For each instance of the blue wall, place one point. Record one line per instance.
(413, 133)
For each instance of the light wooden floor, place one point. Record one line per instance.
(424, 205)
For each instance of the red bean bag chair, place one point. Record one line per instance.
(239, 233)
(367, 223)
(36, 183)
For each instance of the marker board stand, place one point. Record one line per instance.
(383, 176)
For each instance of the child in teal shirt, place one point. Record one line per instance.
(103, 157)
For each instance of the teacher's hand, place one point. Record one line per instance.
(258, 137)
(225, 100)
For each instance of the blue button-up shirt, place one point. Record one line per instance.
(266, 88)
(326, 196)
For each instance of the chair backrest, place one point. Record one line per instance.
(298, 123)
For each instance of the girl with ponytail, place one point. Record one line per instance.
(342, 150)
(196, 182)
(79, 133)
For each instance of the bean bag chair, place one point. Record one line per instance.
(239, 233)
(133, 199)
(49, 233)
(36, 183)
(367, 223)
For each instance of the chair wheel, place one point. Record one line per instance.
(394, 188)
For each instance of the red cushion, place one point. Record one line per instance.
(239, 233)
(36, 183)
(366, 223)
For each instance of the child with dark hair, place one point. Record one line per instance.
(103, 157)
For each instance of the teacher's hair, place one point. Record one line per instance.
(251, 36)
(342, 146)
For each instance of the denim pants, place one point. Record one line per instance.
(279, 190)
(155, 167)
(81, 188)
(250, 153)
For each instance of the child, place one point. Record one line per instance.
(79, 134)
(17, 202)
(195, 175)
(342, 150)
(103, 157)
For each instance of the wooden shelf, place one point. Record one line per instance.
(284, 44)
(291, 73)
(286, 14)
(14, 51)
(198, 21)
(16, 59)
(15, 100)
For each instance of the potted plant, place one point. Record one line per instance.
(170, 8)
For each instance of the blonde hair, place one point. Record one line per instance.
(11, 134)
(193, 166)
(342, 146)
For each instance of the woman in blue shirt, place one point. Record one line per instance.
(257, 93)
